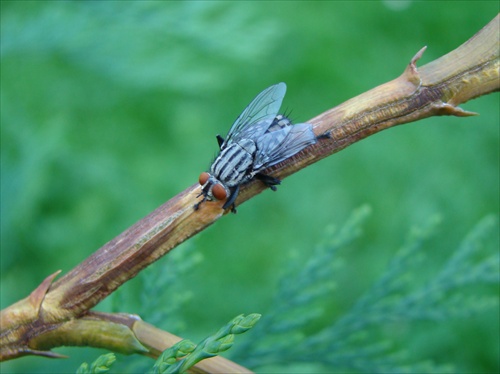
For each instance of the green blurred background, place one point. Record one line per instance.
(108, 109)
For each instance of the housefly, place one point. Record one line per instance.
(258, 139)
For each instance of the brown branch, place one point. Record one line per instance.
(58, 314)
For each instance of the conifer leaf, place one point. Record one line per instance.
(185, 354)
(101, 365)
(361, 340)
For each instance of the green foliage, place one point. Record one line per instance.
(158, 307)
(186, 354)
(101, 365)
(160, 294)
(363, 339)
(301, 330)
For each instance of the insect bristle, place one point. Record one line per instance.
(288, 114)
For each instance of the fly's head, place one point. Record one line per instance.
(211, 189)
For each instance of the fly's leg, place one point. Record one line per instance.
(326, 135)
(231, 199)
(269, 181)
(220, 140)
(197, 205)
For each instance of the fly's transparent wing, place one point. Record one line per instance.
(258, 115)
(279, 145)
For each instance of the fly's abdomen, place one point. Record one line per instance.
(234, 164)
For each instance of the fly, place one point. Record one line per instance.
(258, 139)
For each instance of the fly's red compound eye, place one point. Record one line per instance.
(219, 192)
(203, 178)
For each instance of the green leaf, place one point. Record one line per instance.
(371, 336)
(185, 354)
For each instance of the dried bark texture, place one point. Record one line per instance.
(58, 313)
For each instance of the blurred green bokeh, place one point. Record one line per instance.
(108, 109)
